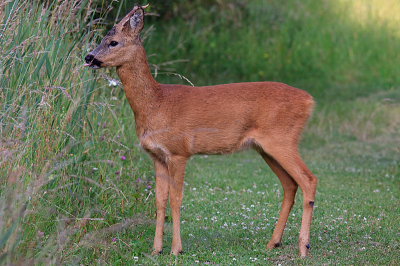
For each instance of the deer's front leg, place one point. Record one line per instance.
(162, 189)
(176, 168)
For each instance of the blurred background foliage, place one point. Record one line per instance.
(334, 49)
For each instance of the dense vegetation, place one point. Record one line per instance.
(75, 188)
(333, 49)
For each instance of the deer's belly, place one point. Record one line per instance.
(202, 141)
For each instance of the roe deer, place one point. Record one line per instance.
(174, 122)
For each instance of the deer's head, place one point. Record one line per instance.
(121, 42)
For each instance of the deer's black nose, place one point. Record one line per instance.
(89, 58)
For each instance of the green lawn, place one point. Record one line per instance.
(231, 204)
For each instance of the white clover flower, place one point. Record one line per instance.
(112, 83)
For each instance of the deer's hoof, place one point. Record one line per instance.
(273, 244)
(156, 252)
(176, 253)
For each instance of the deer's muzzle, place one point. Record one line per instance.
(92, 62)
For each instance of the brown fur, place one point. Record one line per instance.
(174, 122)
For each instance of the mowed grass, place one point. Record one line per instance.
(232, 203)
(76, 189)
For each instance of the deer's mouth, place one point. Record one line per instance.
(91, 66)
(92, 62)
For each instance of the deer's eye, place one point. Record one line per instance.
(113, 43)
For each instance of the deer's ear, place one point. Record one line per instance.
(136, 21)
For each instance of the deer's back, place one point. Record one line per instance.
(254, 99)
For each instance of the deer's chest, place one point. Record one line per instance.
(153, 143)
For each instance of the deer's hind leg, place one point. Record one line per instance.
(289, 159)
(289, 192)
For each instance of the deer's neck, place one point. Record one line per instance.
(140, 88)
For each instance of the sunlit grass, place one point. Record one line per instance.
(370, 13)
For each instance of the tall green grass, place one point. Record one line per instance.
(39, 116)
(62, 134)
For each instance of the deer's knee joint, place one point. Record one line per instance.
(313, 179)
